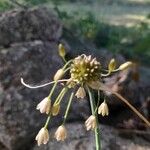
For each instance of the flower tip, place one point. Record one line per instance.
(58, 75)
(125, 65)
(61, 50)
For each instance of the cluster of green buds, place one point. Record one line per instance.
(86, 76)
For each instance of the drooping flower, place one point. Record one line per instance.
(61, 133)
(42, 137)
(90, 123)
(44, 106)
(80, 93)
(103, 109)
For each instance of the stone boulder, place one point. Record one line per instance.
(28, 25)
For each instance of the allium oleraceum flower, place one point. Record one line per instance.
(44, 106)
(61, 133)
(86, 73)
(90, 123)
(103, 109)
(42, 137)
(80, 93)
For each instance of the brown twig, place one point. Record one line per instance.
(132, 108)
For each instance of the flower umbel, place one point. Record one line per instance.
(86, 73)
(103, 109)
(90, 123)
(44, 106)
(61, 133)
(42, 137)
(85, 69)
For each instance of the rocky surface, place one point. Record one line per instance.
(28, 25)
(28, 49)
(80, 139)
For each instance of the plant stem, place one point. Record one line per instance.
(64, 59)
(52, 90)
(49, 96)
(68, 107)
(47, 121)
(98, 101)
(97, 131)
(60, 96)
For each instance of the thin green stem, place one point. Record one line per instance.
(67, 63)
(97, 131)
(52, 90)
(47, 121)
(49, 96)
(109, 73)
(64, 90)
(98, 100)
(67, 69)
(116, 70)
(64, 59)
(60, 96)
(68, 107)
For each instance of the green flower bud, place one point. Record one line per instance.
(55, 109)
(59, 74)
(112, 65)
(61, 50)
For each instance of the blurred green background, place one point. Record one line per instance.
(121, 26)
